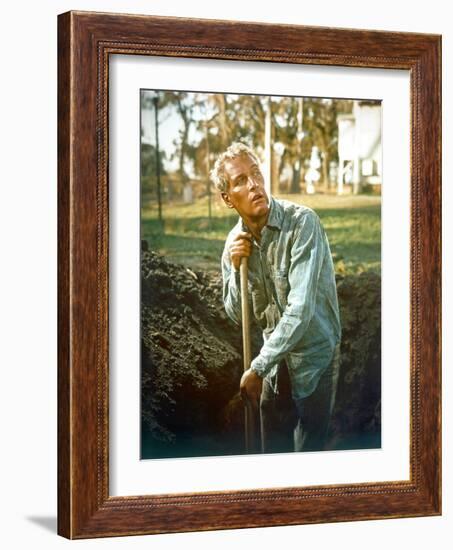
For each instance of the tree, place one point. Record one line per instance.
(321, 124)
(148, 156)
(303, 123)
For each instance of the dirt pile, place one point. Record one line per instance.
(356, 421)
(192, 363)
(191, 358)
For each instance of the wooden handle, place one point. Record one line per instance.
(245, 313)
(250, 417)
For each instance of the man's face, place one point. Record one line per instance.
(246, 193)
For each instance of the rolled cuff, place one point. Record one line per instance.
(261, 366)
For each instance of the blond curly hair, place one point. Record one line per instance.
(218, 175)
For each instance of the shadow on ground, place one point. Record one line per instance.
(49, 523)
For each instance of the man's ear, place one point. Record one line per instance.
(226, 199)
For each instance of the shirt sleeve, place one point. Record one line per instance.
(307, 257)
(231, 288)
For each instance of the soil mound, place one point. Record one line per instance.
(191, 357)
(356, 421)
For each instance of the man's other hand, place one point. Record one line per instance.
(250, 387)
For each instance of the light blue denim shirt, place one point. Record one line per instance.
(292, 293)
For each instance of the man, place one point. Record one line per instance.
(294, 300)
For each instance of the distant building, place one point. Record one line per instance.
(360, 148)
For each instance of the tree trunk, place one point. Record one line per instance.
(295, 181)
(325, 172)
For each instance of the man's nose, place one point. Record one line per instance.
(252, 182)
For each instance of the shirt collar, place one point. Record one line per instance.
(275, 215)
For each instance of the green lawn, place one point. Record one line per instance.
(352, 224)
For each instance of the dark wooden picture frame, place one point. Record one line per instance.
(85, 42)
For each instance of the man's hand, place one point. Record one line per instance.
(240, 247)
(251, 386)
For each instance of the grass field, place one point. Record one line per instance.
(352, 224)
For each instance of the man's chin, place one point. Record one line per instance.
(262, 204)
(261, 208)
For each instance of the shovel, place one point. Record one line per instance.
(250, 414)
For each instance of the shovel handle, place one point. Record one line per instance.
(250, 418)
(245, 313)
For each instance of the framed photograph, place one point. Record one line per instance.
(249, 275)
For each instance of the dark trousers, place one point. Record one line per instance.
(297, 425)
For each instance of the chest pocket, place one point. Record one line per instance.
(281, 288)
(259, 305)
